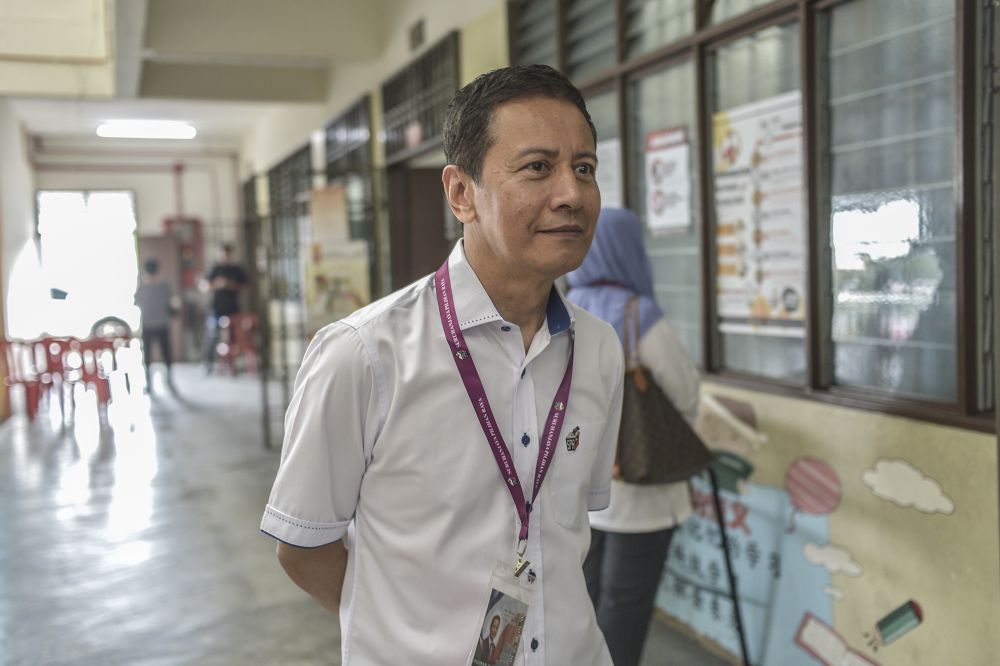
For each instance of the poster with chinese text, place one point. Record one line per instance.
(777, 585)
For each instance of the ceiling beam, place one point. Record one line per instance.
(130, 26)
(346, 30)
(234, 82)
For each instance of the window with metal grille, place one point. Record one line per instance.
(653, 23)
(662, 123)
(759, 254)
(288, 184)
(890, 111)
(534, 24)
(723, 10)
(349, 158)
(870, 137)
(415, 100)
(590, 37)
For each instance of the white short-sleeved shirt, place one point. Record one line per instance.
(383, 449)
(636, 508)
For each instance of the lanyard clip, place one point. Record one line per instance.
(521, 564)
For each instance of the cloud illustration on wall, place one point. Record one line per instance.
(834, 593)
(834, 558)
(903, 484)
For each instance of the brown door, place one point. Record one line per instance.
(416, 223)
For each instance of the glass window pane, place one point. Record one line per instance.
(653, 23)
(590, 37)
(762, 65)
(661, 106)
(536, 33)
(603, 110)
(723, 10)
(891, 117)
(760, 257)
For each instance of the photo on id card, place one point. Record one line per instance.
(503, 623)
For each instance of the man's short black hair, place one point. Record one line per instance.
(467, 131)
(151, 266)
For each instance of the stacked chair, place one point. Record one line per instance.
(46, 367)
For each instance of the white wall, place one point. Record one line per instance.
(209, 185)
(17, 217)
(60, 47)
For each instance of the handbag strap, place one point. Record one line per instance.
(631, 329)
(632, 365)
(633, 369)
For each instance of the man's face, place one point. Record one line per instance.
(494, 627)
(536, 205)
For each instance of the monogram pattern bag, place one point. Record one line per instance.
(655, 442)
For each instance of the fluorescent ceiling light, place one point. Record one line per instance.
(146, 129)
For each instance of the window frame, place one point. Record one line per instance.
(965, 411)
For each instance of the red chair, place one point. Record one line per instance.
(237, 342)
(95, 365)
(54, 351)
(22, 370)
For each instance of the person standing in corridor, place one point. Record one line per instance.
(443, 444)
(631, 537)
(226, 280)
(158, 306)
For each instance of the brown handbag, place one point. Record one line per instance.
(655, 442)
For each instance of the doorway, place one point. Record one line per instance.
(417, 223)
(88, 262)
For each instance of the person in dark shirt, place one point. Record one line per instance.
(226, 280)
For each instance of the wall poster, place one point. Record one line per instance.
(668, 180)
(760, 217)
(337, 272)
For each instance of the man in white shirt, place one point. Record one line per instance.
(442, 447)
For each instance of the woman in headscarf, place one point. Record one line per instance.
(630, 538)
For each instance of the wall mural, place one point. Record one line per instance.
(781, 550)
(901, 483)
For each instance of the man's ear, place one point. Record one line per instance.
(458, 188)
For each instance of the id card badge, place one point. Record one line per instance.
(499, 638)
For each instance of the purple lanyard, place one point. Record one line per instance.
(481, 404)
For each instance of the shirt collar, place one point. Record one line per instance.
(474, 306)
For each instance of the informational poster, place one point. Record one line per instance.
(337, 272)
(668, 180)
(760, 230)
(778, 586)
(609, 172)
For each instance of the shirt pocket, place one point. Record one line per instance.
(572, 469)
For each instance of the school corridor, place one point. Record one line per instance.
(131, 538)
(217, 180)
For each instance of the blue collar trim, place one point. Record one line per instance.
(556, 313)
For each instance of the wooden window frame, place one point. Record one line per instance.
(964, 412)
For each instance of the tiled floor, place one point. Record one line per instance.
(132, 539)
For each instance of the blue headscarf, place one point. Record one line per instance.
(616, 269)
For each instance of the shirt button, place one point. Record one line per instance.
(534, 644)
(525, 439)
(505, 329)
